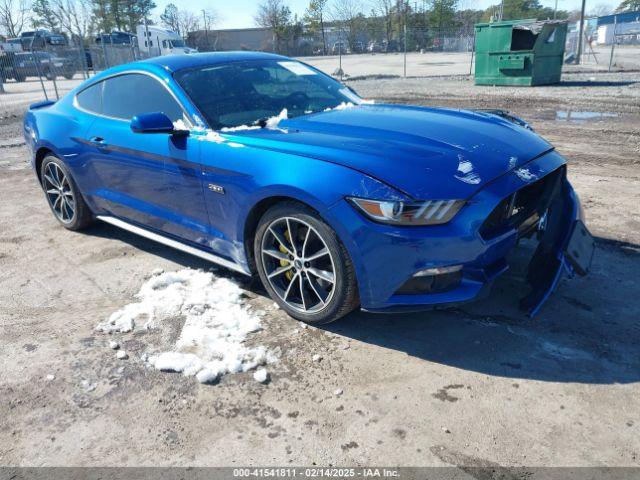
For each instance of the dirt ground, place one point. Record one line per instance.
(479, 385)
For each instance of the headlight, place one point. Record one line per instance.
(428, 212)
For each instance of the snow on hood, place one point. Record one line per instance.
(217, 323)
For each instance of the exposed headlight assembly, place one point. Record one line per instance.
(428, 212)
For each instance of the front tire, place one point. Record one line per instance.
(63, 195)
(303, 265)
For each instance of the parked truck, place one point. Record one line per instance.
(160, 41)
(22, 65)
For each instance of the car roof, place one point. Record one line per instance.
(174, 63)
(169, 64)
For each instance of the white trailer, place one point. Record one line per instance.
(157, 41)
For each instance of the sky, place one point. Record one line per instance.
(242, 12)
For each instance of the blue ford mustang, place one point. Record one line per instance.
(265, 165)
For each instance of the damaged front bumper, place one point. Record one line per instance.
(409, 269)
(565, 246)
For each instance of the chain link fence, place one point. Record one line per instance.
(444, 52)
(48, 72)
(614, 48)
(417, 52)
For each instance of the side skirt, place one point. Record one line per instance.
(174, 244)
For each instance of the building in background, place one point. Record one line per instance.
(257, 39)
(625, 26)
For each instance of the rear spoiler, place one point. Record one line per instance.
(43, 104)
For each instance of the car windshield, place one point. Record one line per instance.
(177, 43)
(246, 92)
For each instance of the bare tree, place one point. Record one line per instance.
(187, 22)
(275, 15)
(600, 10)
(13, 16)
(210, 18)
(74, 16)
(348, 13)
(385, 9)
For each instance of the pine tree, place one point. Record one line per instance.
(170, 18)
(102, 15)
(629, 6)
(43, 15)
(314, 19)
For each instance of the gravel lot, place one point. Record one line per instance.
(476, 386)
(433, 64)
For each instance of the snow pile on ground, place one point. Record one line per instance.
(217, 323)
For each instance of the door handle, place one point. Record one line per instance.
(98, 141)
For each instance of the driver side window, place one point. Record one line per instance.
(131, 94)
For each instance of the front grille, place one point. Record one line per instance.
(522, 209)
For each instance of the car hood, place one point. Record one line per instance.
(428, 153)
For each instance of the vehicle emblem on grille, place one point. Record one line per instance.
(216, 188)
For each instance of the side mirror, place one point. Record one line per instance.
(155, 122)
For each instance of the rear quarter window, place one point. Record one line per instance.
(90, 99)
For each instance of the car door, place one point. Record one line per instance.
(152, 180)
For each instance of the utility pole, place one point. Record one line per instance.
(405, 51)
(581, 32)
(613, 42)
(206, 28)
(324, 42)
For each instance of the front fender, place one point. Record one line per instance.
(246, 176)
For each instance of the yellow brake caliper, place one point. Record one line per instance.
(284, 263)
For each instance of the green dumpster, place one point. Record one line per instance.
(519, 52)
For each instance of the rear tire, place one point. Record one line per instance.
(303, 265)
(63, 195)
